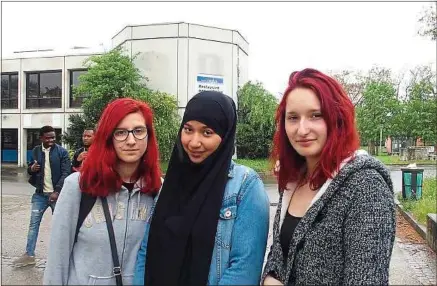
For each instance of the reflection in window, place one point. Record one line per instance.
(77, 100)
(9, 90)
(44, 90)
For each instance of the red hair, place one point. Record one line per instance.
(98, 175)
(339, 115)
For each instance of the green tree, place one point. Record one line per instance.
(166, 119)
(256, 121)
(420, 107)
(74, 135)
(376, 113)
(113, 75)
(110, 76)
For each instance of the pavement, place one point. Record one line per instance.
(412, 263)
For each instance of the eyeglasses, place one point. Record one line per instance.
(121, 134)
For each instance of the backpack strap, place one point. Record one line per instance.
(86, 204)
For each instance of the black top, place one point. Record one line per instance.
(129, 186)
(289, 225)
(75, 163)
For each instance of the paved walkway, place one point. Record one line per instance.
(413, 263)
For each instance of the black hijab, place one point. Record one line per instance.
(182, 234)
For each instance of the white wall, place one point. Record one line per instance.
(10, 120)
(244, 67)
(122, 36)
(210, 33)
(11, 65)
(212, 58)
(41, 64)
(155, 31)
(157, 60)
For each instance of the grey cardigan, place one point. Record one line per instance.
(347, 235)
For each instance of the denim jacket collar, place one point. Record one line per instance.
(231, 173)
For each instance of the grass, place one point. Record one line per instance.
(427, 204)
(259, 165)
(392, 160)
(263, 165)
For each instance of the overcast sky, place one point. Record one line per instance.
(282, 37)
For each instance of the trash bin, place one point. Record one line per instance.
(412, 180)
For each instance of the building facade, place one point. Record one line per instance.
(177, 58)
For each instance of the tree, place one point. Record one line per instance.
(110, 76)
(166, 119)
(376, 112)
(256, 121)
(74, 135)
(352, 82)
(420, 105)
(428, 21)
(113, 75)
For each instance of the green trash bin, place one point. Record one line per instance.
(412, 180)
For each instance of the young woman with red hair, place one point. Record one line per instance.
(335, 222)
(121, 172)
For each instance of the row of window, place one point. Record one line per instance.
(43, 89)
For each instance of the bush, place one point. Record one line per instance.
(166, 119)
(256, 121)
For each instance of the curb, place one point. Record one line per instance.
(418, 165)
(420, 229)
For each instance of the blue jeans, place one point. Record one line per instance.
(40, 202)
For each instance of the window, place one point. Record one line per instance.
(74, 81)
(9, 145)
(9, 90)
(44, 89)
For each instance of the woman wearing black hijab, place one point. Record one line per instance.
(210, 223)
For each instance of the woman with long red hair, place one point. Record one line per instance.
(335, 222)
(113, 192)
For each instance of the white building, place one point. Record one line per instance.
(177, 58)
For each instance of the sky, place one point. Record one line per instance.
(283, 37)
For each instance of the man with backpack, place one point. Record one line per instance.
(49, 167)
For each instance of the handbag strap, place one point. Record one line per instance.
(117, 268)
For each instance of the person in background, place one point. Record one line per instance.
(335, 222)
(211, 219)
(48, 169)
(81, 153)
(122, 173)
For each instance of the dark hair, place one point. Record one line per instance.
(90, 128)
(46, 129)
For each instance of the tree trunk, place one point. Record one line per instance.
(371, 148)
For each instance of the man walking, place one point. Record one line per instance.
(49, 167)
(81, 153)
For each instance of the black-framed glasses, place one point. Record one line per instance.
(121, 134)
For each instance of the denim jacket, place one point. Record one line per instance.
(242, 231)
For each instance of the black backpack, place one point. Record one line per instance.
(86, 204)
